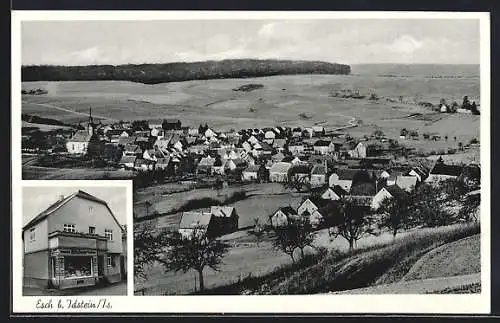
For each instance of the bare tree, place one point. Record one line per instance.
(147, 246)
(395, 214)
(196, 251)
(257, 231)
(297, 233)
(350, 221)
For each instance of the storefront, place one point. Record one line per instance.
(77, 260)
(73, 267)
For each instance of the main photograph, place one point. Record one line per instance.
(320, 156)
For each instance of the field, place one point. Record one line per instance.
(261, 201)
(280, 101)
(246, 258)
(45, 173)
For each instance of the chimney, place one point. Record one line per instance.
(61, 197)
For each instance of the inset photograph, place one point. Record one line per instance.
(74, 240)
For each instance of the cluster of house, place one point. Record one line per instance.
(250, 154)
(366, 187)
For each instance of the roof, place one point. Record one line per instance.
(280, 167)
(131, 147)
(222, 211)
(288, 159)
(172, 121)
(319, 169)
(286, 210)
(406, 182)
(300, 169)
(364, 189)
(127, 140)
(189, 220)
(163, 160)
(208, 161)
(44, 214)
(128, 159)
(322, 143)
(346, 174)
(279, 143)
(443, 169)
(80, 136)
(362, 200)
(252, 168)
(396, 191)
(338, 190)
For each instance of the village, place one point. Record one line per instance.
(327, 163)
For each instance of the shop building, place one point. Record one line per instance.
(75, 242)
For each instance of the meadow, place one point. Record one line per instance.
(378, 260)
(260, 201)
(279, 102)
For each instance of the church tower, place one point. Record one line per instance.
(90, 125)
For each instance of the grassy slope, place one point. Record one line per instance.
(457, 258)
(385, 264)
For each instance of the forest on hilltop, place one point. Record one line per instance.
(177, 72)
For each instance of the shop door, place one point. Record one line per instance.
(122, 268)
(100, 266)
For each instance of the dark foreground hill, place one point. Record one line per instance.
(176, 72)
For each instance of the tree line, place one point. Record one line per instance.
(176, 72)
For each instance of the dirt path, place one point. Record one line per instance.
(420, 286)
(71, 111)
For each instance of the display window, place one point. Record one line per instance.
(77, 266)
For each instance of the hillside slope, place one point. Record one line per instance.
(176, 72)
(382, 265)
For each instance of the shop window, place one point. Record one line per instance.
(77, 266)
(109, 234)
(69, 228)
(32, 234)
(91, 230)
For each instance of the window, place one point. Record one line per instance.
(32, 234)
(91, 230)
(111, 261)
(69, 228)
(91, 209)
(77, 266)
(109, 234)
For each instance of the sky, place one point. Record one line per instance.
(349, 41)
(38, 199)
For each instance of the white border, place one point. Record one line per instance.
(435, 304)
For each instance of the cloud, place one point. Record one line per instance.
(405, 44)
(335, 40)
(89, 55)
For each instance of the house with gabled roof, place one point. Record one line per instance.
(318, 175)
(279, 172)
(333, 193)
(407, 183)
(75, 242)
(387, 192)
(279, 144)
(127, 161)
(442, 171)
(205, 165)
(282, 216)
(343, 177)
(323, 147)
(310, 209)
